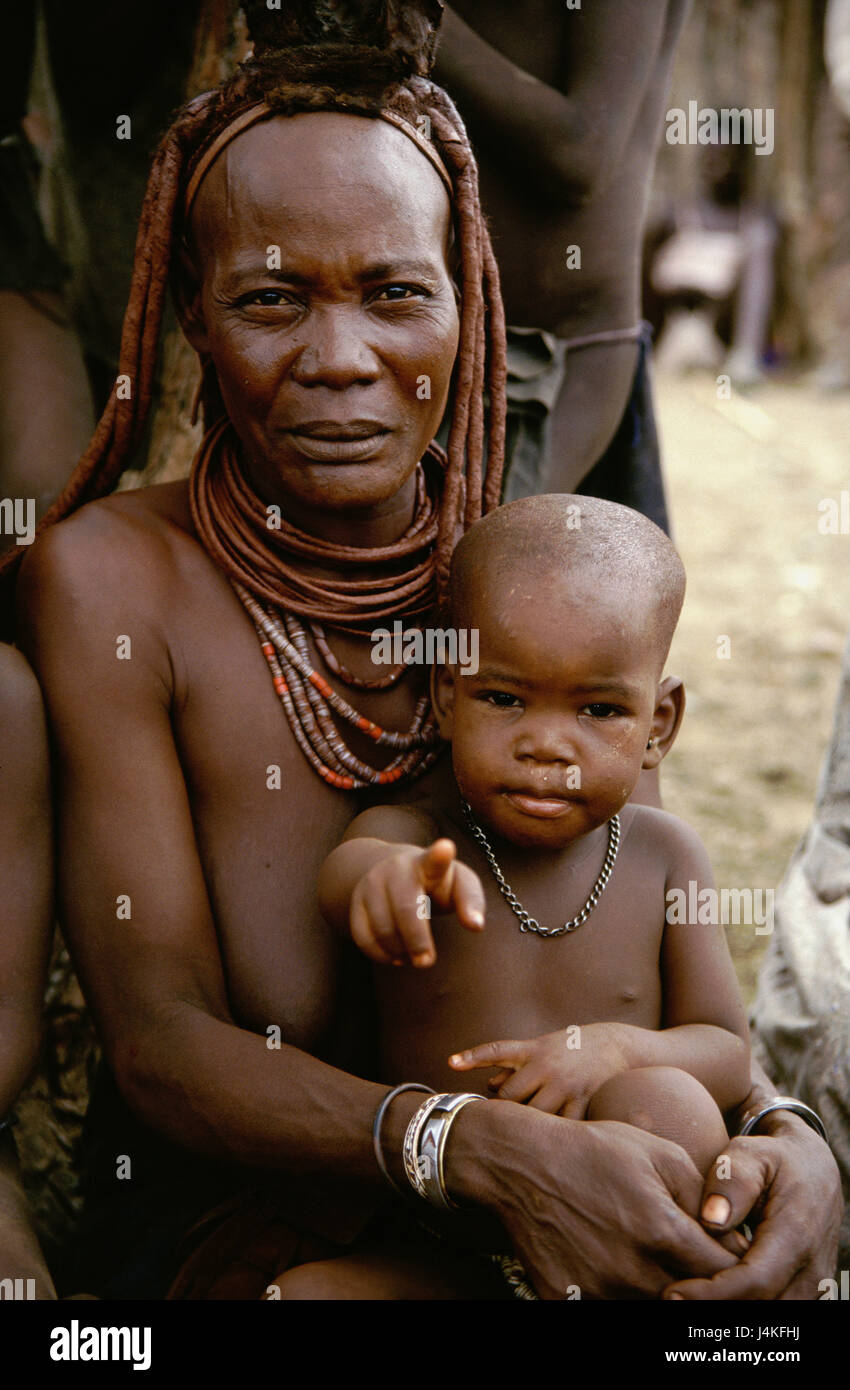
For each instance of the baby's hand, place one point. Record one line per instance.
(558, 1072)
(391, 905)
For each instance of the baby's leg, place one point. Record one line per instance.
(667, 1102)
(674, 1105)
(386, 1275)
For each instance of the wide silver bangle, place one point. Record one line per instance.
(425, 1146)
(797, 1107)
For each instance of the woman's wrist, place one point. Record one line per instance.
(475, 1132)
(781, 1124)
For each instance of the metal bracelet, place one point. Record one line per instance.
(380, 1113)
(431, 1147)
(797, 1107)
(410, 1148)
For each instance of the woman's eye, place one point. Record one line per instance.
(395, 293)
(267, 299)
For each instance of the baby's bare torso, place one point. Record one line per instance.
(506, 984)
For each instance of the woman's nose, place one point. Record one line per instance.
(336, 353)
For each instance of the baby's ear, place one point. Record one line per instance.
(666, 720)
(443, 698)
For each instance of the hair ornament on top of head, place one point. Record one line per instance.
(406, 30)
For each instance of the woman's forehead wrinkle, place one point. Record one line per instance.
(307, 179)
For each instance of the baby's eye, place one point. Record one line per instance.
(601, 710)
(502, 699)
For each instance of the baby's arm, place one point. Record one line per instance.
(381, 883)
(704, 1027)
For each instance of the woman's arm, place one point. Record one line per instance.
(26, 926)
(785, 1183)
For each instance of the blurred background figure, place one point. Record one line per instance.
(46, 414)
(565, 109)
(714, 274)
(72, 179)
(832, 208)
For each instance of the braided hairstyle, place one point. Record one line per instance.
(384, 67)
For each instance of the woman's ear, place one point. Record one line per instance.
(443, 698)
(187, 301)
(666, 720)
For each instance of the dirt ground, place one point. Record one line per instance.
(745, 477)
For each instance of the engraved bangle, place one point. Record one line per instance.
(431, 1151)
(410, 1148)
(797, 1107)
(378, 1121)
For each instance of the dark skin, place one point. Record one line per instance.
(535, 708)
(226, 935)
(652, 1002)
(26, 926)
(564, 162)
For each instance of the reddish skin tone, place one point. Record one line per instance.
(227, 937)
(562, 164)
(26, 928)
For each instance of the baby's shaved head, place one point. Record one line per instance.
(595, 549)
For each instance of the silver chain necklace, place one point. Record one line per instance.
(526, 921)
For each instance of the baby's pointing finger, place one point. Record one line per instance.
(468, 898)
(436, 865)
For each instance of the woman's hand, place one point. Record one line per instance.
(786, 1186)
(602, 1207)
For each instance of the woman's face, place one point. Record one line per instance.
(325, 299)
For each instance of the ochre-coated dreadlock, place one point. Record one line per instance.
(361, 80)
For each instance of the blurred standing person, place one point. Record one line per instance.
(85, 89)
(831, 317)
(46, 415)
(566, 130)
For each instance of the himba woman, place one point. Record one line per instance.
(217, 720)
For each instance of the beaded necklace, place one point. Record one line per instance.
(233, 526)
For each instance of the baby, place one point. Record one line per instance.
(580, 993)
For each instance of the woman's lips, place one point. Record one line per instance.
(339, 443)
(544, 807)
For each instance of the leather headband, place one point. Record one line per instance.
(261, 112)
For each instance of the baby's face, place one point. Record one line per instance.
(549, 736)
